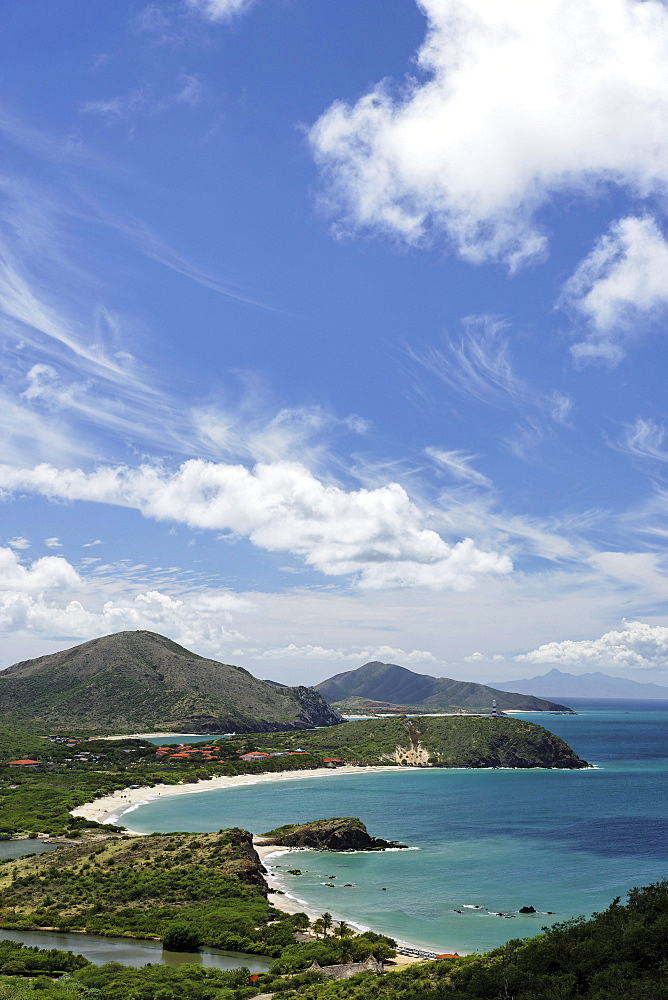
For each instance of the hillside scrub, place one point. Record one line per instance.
(141, 887)
(450, 741)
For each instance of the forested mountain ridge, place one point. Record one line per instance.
(395, 685)
(136, 681)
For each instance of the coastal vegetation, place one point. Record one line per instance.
(37, 798)
(211, 885)
(619, 954)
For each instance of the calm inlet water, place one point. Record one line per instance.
(20, 848)
(488, 841)
(100, 949)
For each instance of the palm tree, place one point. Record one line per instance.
(327, 922)
(318, 927)
(343, 930)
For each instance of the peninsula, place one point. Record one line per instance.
(450, 741)
(378, 688)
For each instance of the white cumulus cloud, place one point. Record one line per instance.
(636, 645)
(511, 103)
(47, 573)
(202, 628)
(19, 543)
(377, 536)
(621, 282)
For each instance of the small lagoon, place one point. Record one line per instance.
(127, 951)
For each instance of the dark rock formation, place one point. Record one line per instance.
(343, 833)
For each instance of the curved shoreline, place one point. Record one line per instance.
(110, 808)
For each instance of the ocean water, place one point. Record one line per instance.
(485, 842)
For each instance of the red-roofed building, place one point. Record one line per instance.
(23, 763)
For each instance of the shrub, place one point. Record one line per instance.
(181, 937)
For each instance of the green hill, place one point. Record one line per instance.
(398, 687)
(450, 741)
(140, 681)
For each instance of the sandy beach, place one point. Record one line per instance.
(110, 808)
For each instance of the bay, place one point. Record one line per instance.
(488, 841)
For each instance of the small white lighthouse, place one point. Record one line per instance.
(495, 714)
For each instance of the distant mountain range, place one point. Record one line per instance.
(396, 687)
(557, 684)
(141, 681)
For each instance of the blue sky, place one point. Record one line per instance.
(335, 331)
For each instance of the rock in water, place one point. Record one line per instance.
(343, 833)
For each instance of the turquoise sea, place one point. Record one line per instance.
(562, 841)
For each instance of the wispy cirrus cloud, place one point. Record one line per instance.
(479, 365)
(69, 370)
(458, 464)
(645, 439)
(578, 100)
(143, 101)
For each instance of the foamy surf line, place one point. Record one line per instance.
(290, 903)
